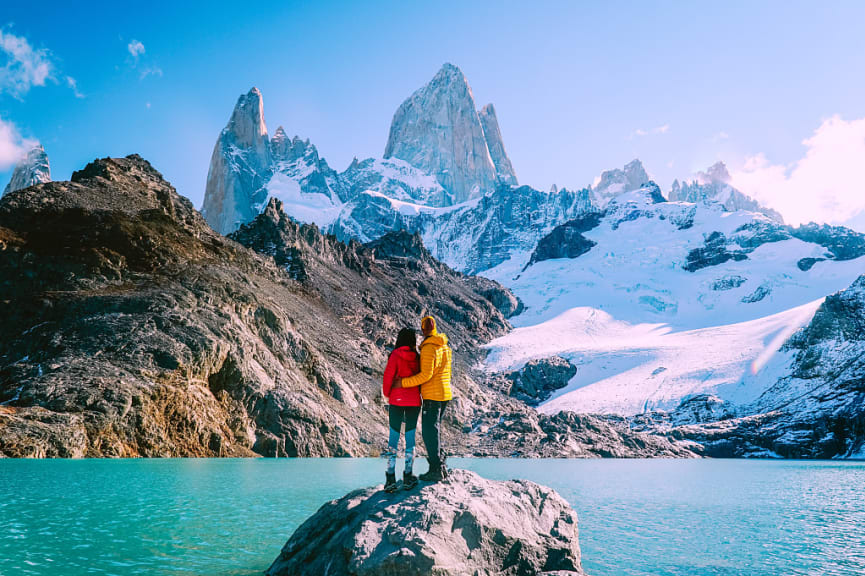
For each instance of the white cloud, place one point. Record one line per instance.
(150, 71)
(826, 185)
(12, 146)
(22, 65)
(73, 83)
(135, 48)
(639, 132)
(147, 66)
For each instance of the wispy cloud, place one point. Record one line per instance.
(135, 48)
(23, 66)
(719, 137)
(639, 132)
(12, 146)
(825, 185)
(145, 66)
(150, 71)
(74, 85)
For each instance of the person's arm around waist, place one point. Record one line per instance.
(427, 367)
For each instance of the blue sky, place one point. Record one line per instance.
(579, 87)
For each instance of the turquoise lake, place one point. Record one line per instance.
(231, 517)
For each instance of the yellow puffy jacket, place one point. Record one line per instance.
(434, 377)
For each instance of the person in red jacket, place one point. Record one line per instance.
(403, 406)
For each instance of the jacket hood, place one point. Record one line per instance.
(436, 340)
(426, 319)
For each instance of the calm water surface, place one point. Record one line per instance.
(231, 517)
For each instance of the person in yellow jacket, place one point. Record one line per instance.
(434, 380)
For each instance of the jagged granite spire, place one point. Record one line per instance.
(31, 169)
(713, 185)
(240, 167)
(438, 130)
(611, 183)
(495, 144)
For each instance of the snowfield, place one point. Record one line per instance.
(314, 208)
(627, 368)
(643, 332)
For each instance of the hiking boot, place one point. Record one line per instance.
(433, 475)
(390, 485)
(409, 481)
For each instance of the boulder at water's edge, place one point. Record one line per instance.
(467, 525)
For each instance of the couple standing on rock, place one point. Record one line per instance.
(412, 385)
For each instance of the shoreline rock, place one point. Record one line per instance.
(467, 525)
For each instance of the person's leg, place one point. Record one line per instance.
(430, 432)
(442, 457)
(411, 416)
(394, 422)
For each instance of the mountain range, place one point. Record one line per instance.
(131, 328)
(615, 319)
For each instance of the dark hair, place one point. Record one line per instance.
(407, 337)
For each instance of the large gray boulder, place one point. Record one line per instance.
(467, 525)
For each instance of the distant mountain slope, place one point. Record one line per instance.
(812, 407)
(654, 302)
(473, 236)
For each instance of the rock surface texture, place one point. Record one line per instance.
(466, 526)
(32, 169)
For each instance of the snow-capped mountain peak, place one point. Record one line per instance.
(439, 130)
(490, 122)
(716, 173)
(713, 185)
(613, 182)
(32, 169)
(247, 121)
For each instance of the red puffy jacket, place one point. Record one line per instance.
(403, 362)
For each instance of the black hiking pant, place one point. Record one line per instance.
(431, 422)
